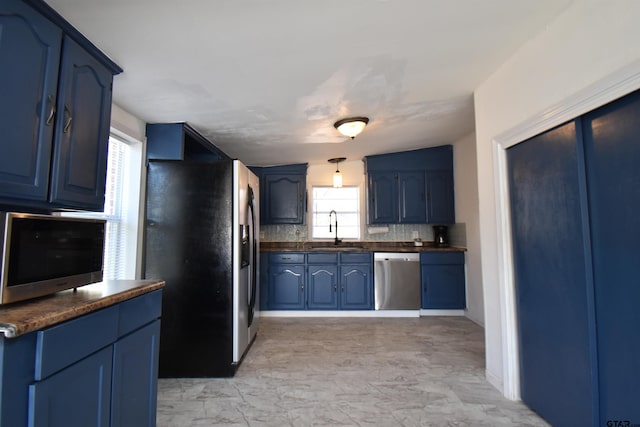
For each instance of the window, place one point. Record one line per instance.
(346, 202)
(121, 208)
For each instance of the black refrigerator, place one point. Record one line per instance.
(201, 238)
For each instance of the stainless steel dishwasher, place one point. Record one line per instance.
(396, 281)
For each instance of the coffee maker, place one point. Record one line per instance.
(441, 235)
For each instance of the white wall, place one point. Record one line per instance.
(467, 211)
(589, 55)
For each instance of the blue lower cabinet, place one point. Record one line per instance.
(76, 396)
(355, 287)
(318, 281)
(135, 373)
(74, 375)
(322, 288)
(286, 287)
(443, 280)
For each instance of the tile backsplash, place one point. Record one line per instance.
(385, 233)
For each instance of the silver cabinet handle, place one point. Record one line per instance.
(67, 125)
(52, 111)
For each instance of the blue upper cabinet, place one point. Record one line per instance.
(412, 187)
(30, 48)
(283, 194)
(383, 197)
(412, 198)
(440, 197)
(82, 130)
(55, 111)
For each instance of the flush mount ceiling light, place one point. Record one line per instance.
(337, 176)
(351, 126)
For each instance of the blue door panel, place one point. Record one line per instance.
(550, 263)
(82, 130)
(440, 197)
(612, 152)
(86, 397)
(135, 378)
(412, 198)
(322, 287)
(284, 199)
(443, 286)
(383, 198)
(286, 287)
(30, 51)
(356, 284)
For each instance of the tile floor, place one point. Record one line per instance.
(426, 371)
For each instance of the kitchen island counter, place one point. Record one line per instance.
(27, 316)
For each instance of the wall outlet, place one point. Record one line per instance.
(415, 235)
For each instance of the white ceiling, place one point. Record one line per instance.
(266, 79)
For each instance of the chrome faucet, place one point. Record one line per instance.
(336, 240)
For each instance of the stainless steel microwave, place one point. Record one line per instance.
(44, 254)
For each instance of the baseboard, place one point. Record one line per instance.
(430, 312)
(340, 313)
(358, 313)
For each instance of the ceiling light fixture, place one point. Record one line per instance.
(351, 126)
(337, 176)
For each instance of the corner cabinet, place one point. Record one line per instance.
(412, 187)
(56, 110)
(319, 281)
(69, 375)
(283, 191)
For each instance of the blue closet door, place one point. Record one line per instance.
(550, 267)
(612, 151)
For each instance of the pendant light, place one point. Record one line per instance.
(351, 126)
(337, 176)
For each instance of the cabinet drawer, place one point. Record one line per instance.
(315, 258)
(139, 311)
(68, 342)
(442, 258)
(359, 258)
(286, 258)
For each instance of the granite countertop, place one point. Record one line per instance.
(355, 246)
(27, 316)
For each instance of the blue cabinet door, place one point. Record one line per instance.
(82, 130)
(30, 52)
(322, 287)
(135, 378)
(383, 198)
(284, 199)
(356, 287)
(412, 202)
(443, 286)
(286, 287)
(551, 279)
(440, 197)
(612, 153)
(78, 396)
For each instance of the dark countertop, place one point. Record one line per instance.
(27, 316)
(360, 246)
